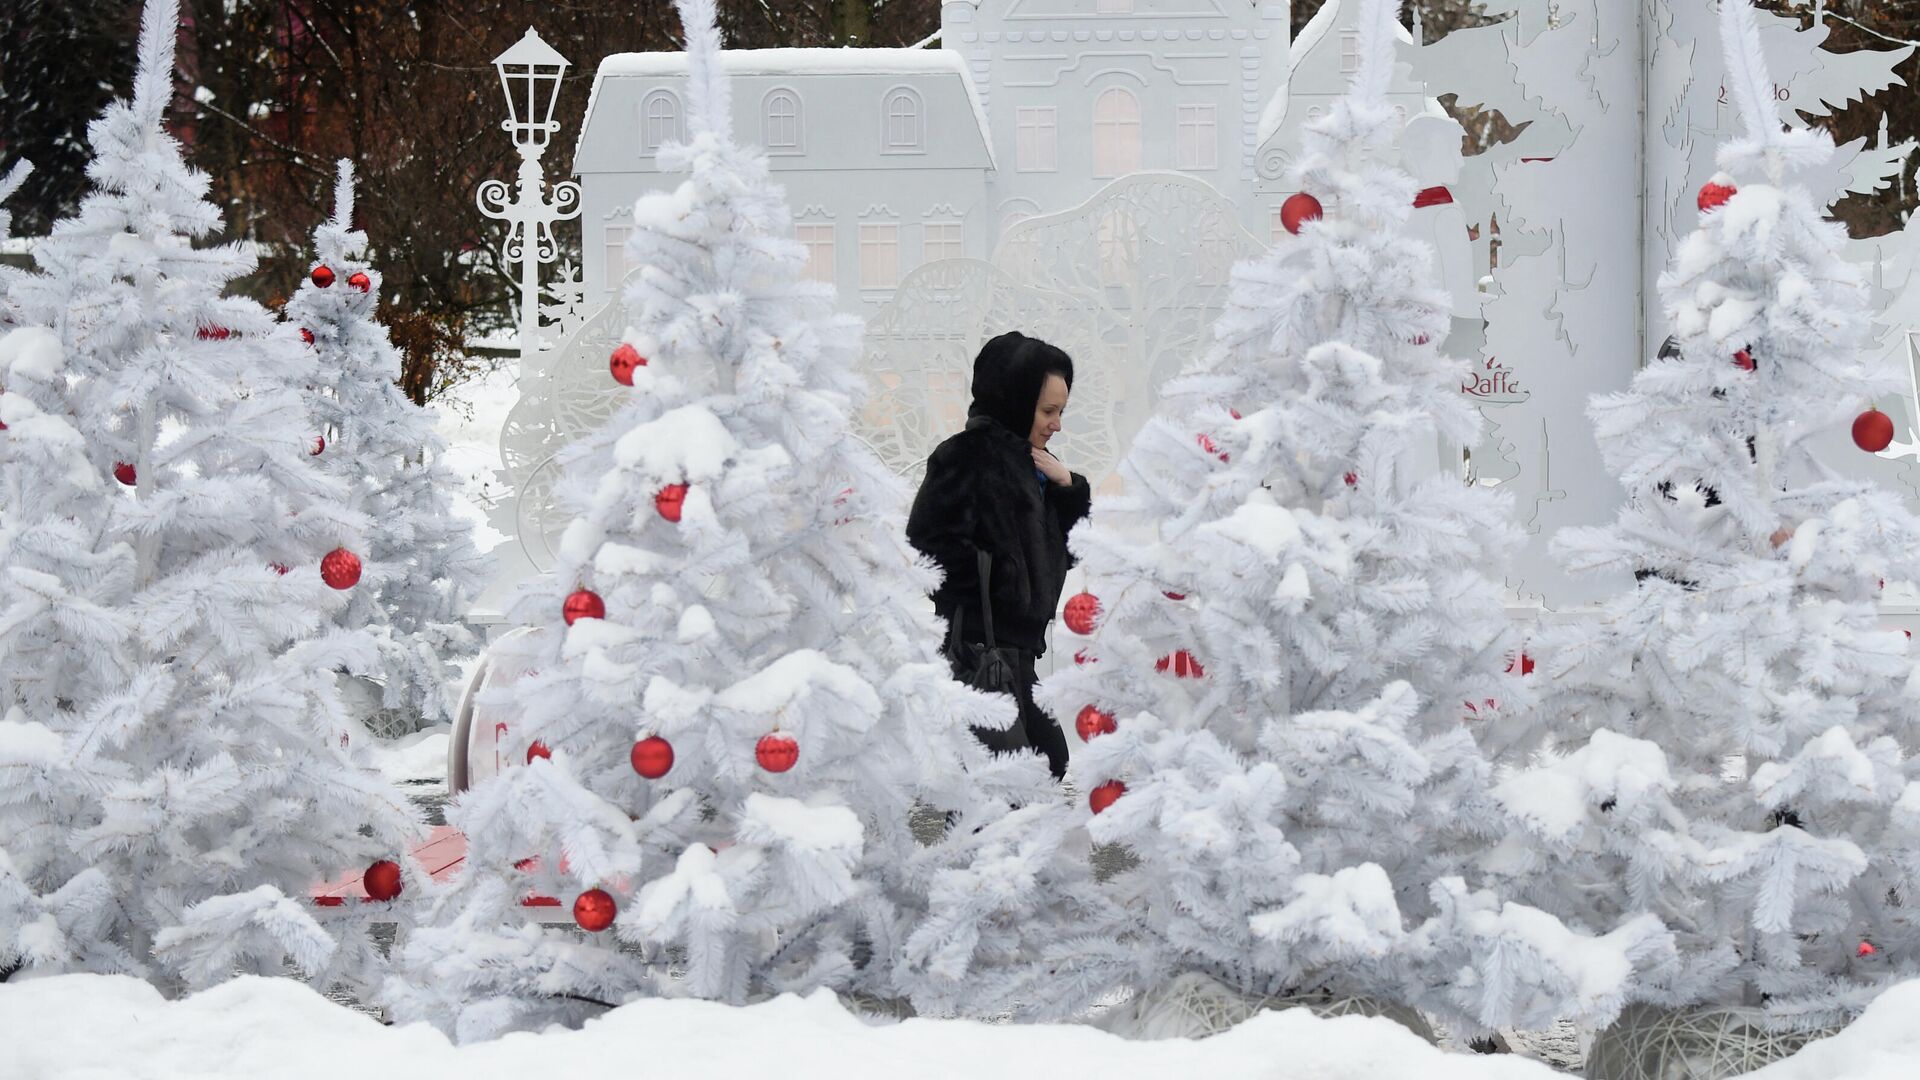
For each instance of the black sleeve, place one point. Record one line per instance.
(1072, 502)
(944, 520)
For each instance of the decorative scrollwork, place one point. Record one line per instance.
(495, 199)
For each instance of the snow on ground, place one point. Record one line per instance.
(1884, 1044)
(414, 758)
(471, 417)
(96, 1027)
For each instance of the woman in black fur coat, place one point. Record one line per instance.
(994, 487)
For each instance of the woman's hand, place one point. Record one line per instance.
(1050, 465)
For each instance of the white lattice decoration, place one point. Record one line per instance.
(1128, 283)
(1194, 1006)
(1689, 1044)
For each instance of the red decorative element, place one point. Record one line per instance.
(1235, 413)
(1433, 196)
(1715, 193)
(1082, 611)
(1352, 479)
(776, 752)
(1743, 360)
(1490, 705)
(213, 333)
(1105, 795)
(359, 280)
(123, 472)
(1421, 339)
(279, 568)
(583, 604)
(340, 568)
(652, 757)
(1866, 949)
(1872, 431)
(623, 361)
(1182, 664)
(594, 910)
(1206, 443)
(1523, 662)
(382, 880)
(1092, 721)
(1174, 595)
(306, 335)
(528, 864)
(1081, 657)
(670, 501)
(1299, 209)
(319, 446)
(322, 276)
(538, 750)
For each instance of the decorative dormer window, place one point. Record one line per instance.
(781, 128)
(901, 117)
(659, 120)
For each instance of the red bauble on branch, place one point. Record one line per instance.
(1299, 209)
(306, 335)
(213, 333)
(652, 757)
(776, 752)
(1082, 612)
(319, 446)
(583, 604)
(124, 473)
(1522, 663)
(1174, 596)
(322, 276)
(1182, 664)
(340, 569)
(382, 880)
(1105, 795)
(623, 361)
(1082, 656)
(1866, 949)
(671, 501)
(594, 910)
(1873, 431)
(359, 280)
(1352, 479)
(1743, 360)
(1206, 443)
(538, 750)
(1092, 721)
(1715, 193)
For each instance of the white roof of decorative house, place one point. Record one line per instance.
(849, 74)
(1315, 58)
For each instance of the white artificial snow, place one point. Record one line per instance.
(1555, 798)
(792, 677)
(30, 352)
(1268, 530)
(98, 1026)
(413, 758)
(1884, 1044)
(1598, 966)
(1354, 906)
(792, 823)
(579, 539)
(23, 742)
(687, 445)
(617, 559)
(696, 623)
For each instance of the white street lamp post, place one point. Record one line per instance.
(530, 75)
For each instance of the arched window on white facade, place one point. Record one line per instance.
(1116, 133)
(781, 127)
(659, 120)
(901, 117)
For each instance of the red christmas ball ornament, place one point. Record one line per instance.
(322, 276)
(1715, 193)
(1235, 413)
(1105, 795)
(538, 750)
(280, 568)
(1421, 339)
(652, 757)
(1082, 611)
(1352, 479)
(1299, 209)
(623, 361)
(594, 910)
(1207, 444)
(1523, 662)
(583, 604)
(213, 333)
(671, 501)
(1743, 360)
(1866, 949)
(1182, 664)
(319, 446)
(382, 880)
(1872, 431)
(1092, 721)
(340, 568)
(123, 472)
(1175, 596)
(359, 280)
(1082, 657)
(775, 752)
(306, 335)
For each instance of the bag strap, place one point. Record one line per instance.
(984, 563)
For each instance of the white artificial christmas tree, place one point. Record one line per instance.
(739, 696)
(173, 776)
(9, 184)
(1749, 776)
(420, 566)
(1291, 630)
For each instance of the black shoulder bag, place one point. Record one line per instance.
(988, 668)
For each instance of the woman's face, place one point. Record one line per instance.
(1048, 411)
